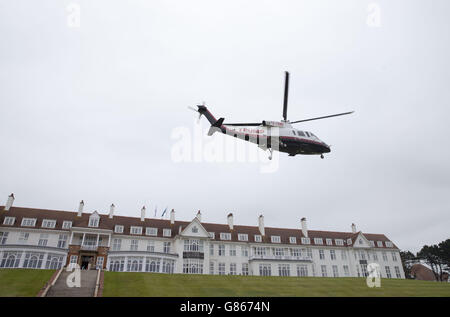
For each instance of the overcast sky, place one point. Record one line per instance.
(88, 112)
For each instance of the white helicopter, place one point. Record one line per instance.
(272, 135)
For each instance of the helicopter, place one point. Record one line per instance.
(272, 135)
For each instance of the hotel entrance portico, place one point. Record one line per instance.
(89, 249)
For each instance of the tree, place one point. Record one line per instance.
(408, 259)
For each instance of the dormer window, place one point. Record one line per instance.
(167, 232)
(212, 235)
(388, 244)
(9, 221)
(318, 241)
(349, 241)
(305, 240)
(329, 241)
(67, 224)
(380, 244)
(258, 238)
(94, 220)
(118, 229)
(225, 236)
(47, 223)
(275, 239)
(136, 230)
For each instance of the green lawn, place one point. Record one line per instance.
(181, 285)
(22, 282)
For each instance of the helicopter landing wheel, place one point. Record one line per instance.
(321, 156)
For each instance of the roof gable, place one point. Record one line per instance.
(194, 229)
(360, 241)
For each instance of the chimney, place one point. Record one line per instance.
(172, 217)
(353, 228)
(230, 220)
(80, 208)
(143, 213)
(261, 225)
(111, 211)
(199, 216)
(304, 227)
(9, 202)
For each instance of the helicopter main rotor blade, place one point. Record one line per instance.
(286, 92)
(243, 124)
(333, 115)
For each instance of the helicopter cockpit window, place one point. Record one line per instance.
(307, 134)
(293, 132)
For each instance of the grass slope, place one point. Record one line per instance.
(181, 285)
(22, 282)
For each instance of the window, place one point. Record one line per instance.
(150, 246)
(389, 244)
(258, 238)
(318, 241)
(54, 261)
(380, 244)
(151, 231)
(3, 237)
(211, 249)
(244, 251)
(134, 264)
(343, 255)
(117, 243)
(259, 251)
(375, 256)
(221, 250)
(339, 242)
(9, 221)
(329, 241)
(275, 239)
(10, 259)
(278, 252)
(302, 270)
(62, 241)
(296, 252)
(394, 256)
(43, 239)
(152, 264)
(193, 245)
(321, 255)
(306, 240)
(284, 270)
(301, 133)
(118, 229)
(212, 235)
(23, 237)
(116, 264)
(362, 255)
(167, 232)
(47, 223)
(324, 270)
(73, 261)
(225, 236)
(307, 134)
(372, 243)
(93, 221)
(221, 268)
(100, 261)
(168, 266)
(309, 253)
(335, 271)
(211, 267)
(242, 237)
(232, 250)
(388, 272)
(346, 270)
(293, 240)
(244, 268)
(349, 241)
(134, 245)
(233, 270)
(265, 270)
(333, 254)
(67, 224)
(293, 132)
(397, 272)
(192, 266)
(384, 256)
(166, 248)
(28, 222)
(135, 230)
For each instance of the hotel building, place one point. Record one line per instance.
(51, 239)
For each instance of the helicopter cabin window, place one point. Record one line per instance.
(300, 133)
(307, 134)
(293, 132)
